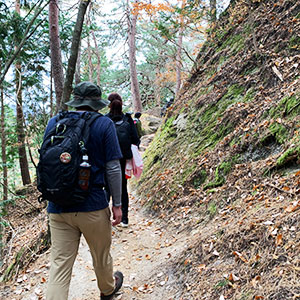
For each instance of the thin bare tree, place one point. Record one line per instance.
(3, 148)
(78, 64)
(213, 11)
(135, 91)
(55, 50)
(20, 117)
(98, 55)
(74, 53)
(179, 59)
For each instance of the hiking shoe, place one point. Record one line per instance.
(118, 283)
(124, 224)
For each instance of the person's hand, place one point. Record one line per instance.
(117, 215)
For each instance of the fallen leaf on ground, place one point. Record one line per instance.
(293, 207)
(233, 277)
(240, 256)
(201, 267)
(279, 239)
(43, 280)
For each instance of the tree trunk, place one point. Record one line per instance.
(89, 50)
(78, 63)
(74, 53)
(178, 60)
(55, 49)
(157, 89)
(98, 55)
(135, 91)
(3, 149)
(26, 34)
(20, 118)
(213, 11)
(90, 63)
(51, 93)
(20, 128)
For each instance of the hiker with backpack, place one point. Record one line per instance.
(127, 136)
(80, 149)
(138, 125)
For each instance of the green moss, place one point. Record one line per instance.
(187, 171)
(226, 167)
(235, 43)
(212, 209)
(285, 157)
(246, 296)
(234, 94)
(204, 124)
(210, 72)
(156, 151)
(251, 71)
(234, 141)
(287, 106)
(221, 63)
(249, 95)
(199, 179)
(222, 283)
(221, 171)
(294, 41)
(248, 29)
(168, 123)
(279, 132)
(220, 34)
(202, 91)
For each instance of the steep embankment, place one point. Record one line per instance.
(227, 158)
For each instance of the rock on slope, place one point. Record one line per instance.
(226, 159)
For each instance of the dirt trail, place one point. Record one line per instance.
(143, 252)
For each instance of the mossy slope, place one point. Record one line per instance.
(231, 139)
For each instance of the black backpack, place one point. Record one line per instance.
(123, 129)
(60, 156)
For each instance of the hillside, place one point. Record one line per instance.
(226, 160)
(221, 180)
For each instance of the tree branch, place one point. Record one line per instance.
(24, 40)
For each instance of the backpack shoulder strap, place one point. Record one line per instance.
(61, 115)
(89, 118)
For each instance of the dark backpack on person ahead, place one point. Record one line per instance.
(123, 129)
(60, 156)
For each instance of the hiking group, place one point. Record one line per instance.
(82, 165)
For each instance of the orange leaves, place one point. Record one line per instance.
(201, 267)
(292, 207)
(150, 9)
(43, 280)
(233, 278)
(135, 288)
(278, 240)
(240, 256)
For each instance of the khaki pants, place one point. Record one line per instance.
(66, 229)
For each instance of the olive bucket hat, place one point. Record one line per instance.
(87, 94)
